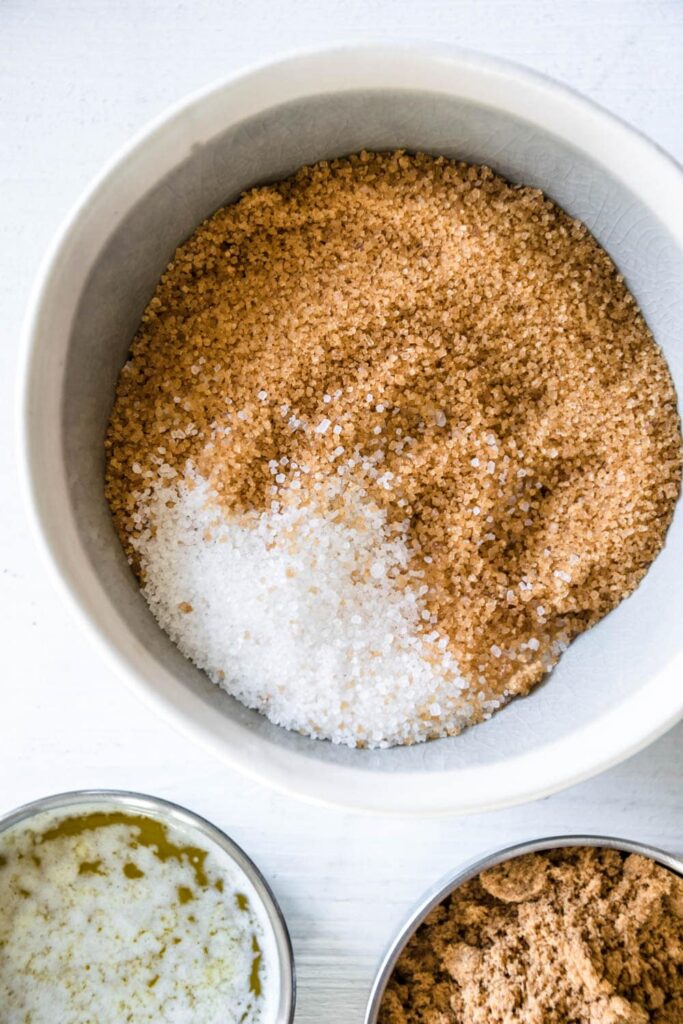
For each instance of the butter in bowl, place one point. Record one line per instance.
(116, 907)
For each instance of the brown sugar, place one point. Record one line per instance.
(581, 935)
(463, 337)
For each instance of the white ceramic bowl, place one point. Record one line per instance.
(619, 686)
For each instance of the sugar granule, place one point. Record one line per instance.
(307, 614)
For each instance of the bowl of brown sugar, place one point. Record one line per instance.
(580, 928)
(351, 427)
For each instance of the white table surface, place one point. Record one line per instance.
(76, 78)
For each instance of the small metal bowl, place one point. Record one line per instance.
(446, 886)
(201, 830)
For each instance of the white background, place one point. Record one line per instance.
(76, 78)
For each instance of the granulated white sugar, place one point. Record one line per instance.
(312, 615)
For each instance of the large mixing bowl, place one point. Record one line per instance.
(619, 686)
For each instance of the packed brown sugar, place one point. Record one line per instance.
(586, 936)
(391, 434)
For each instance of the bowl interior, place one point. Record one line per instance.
(101, 306)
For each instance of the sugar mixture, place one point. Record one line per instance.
(391, 434)
(579, 935)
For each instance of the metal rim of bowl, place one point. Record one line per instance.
(444, 887)
(181, 817)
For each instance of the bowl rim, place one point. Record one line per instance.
(473, 867)
(606, 740)
(181, 817)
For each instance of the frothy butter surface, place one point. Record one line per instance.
(110, 916)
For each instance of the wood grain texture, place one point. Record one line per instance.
(76, 79)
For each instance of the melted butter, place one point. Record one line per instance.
(91, 867)
(131, 870)
(184, 894)
(155, 837)
(150, 833)
(255, 984)
(255, 976)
